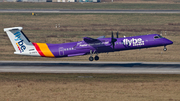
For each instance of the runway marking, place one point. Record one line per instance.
(88, 11)
(90, 71)
(90, 67)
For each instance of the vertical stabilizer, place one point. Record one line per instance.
(20, 42)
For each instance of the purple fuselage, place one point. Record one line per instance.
(104, 45)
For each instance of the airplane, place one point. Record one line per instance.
(89, 46)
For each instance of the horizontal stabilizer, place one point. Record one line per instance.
(13, 28)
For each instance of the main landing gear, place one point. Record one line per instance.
(91, 57)
(165, 49)
(95, 58)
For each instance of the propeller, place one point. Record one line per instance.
(113, 40)
(117, 35)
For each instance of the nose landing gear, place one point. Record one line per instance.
(165, 49)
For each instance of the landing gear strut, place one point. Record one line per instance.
(165, 49)
(91, 57)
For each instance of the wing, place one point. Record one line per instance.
(90, 40)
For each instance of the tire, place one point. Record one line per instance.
(96, 58)
(90, 58)
(165, 49)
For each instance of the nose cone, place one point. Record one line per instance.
(168, 42)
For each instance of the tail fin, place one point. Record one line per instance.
(20, 42)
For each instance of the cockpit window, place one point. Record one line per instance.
(157, 36)
(160, 36)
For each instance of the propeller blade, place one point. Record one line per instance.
(113, 40)
(112, 36)
(117, 35)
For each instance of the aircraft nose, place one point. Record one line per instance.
(168, 42)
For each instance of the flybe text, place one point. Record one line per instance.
(17, 36)
(133, 42)
(20, 43)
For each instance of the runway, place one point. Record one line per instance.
(86, 11)
(90, 67)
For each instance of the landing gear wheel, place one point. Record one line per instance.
(165, 49)
(90, 58)
(96, 58)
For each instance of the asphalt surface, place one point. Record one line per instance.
(86, 11)
(90, 67)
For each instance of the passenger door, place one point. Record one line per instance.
(61, 51)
